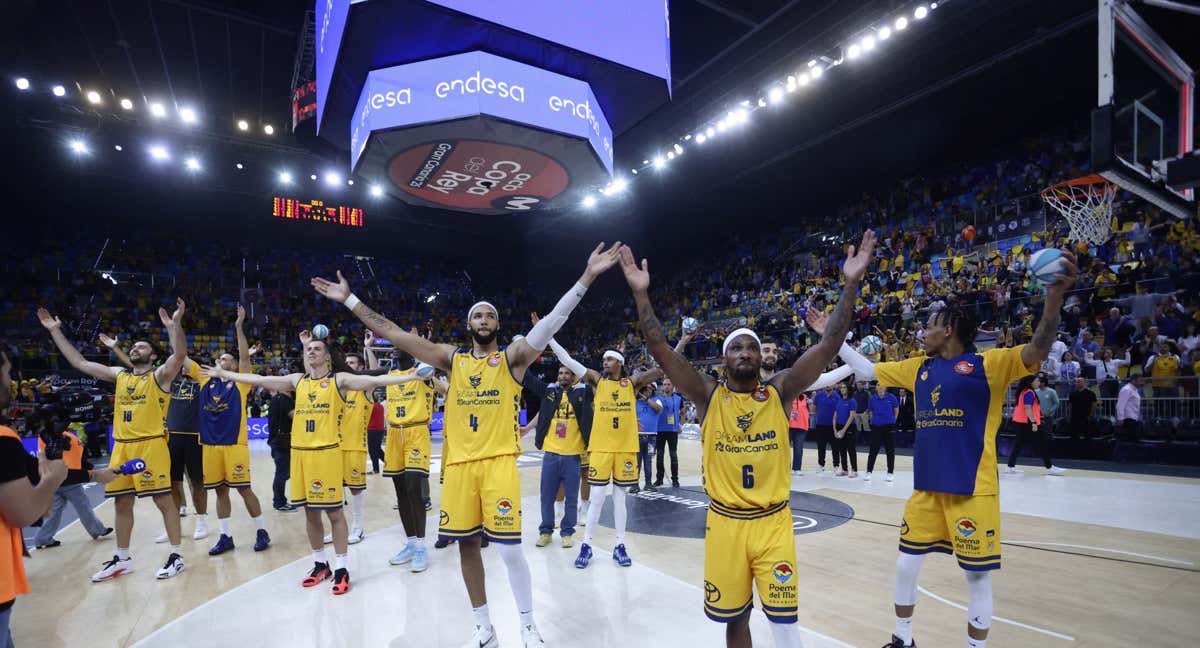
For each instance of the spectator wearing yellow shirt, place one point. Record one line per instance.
(1163, 368)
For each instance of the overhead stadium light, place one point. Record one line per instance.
(921, 12)
(659, 162)
(59, 91)
(118, 148)
(350, 182)
(670, 155)
(127, 104)
(187, 115)
(376, 191)
(78, 147)
(332, 179)
(804, 79)
(159, 152)
(618, 185)
(93, 96)
(285, 177)
(22, 83)
(589, 201)
(192, 164)
(678, 150)
(853, 51)
(701, 138)
(269, 129)
(817, 72)
(776, 93)
(710, 131)
(239, 166)
(313, 176)
(885, 33)
(243, 125)
(901, 23)
(868, 43)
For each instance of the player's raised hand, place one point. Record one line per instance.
(600, 260)
(638, 278)
(49, 321)
(816, 320)
(338, 292)
(305, 337)
(857, 259)
(1065, 279)
(533, 318)
(107, 341)
(255, 350)
(368, 337)
(241, 315)
(165, 317)
(215, 373)
(180, 307)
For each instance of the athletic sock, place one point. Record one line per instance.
(224, 523)
(413, 541)
(339, 561)
(482, 617)
(320, 556)
(259, 523)
(620, 514)
(176, 549)
(976, 643)
(593, 518)
(356, 508)
(904, 630)
(122, 554)
(201, 519)
(526, 618)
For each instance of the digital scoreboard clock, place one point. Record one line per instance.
(317, 210)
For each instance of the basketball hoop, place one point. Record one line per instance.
(1086, 203)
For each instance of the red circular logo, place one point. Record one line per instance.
(760, 394)
(474, 174)
(964, 368)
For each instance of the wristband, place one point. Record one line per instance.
(352, 301)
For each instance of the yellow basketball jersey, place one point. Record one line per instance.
(356, 413)
(614, 423)
(564, 437)
(318, 413)
(746, 452)
(482, 408)
(139, 407)
(410, 403)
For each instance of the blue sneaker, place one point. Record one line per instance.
(585, 556)
(404, 557)
(621, 557)
(224, 543)
(420, 559)
(262, 541)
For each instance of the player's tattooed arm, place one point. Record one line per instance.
(1038, 348)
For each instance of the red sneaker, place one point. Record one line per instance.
(320, 572)
(341, 582)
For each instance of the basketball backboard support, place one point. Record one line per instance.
(1144, 123)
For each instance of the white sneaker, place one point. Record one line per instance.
(530, 637)
(161, 539)
(483, 638)
(328, 539)
(1055, 470)
(1012, 471)
(890, 477)
(112, 569)
(182, 511)
(866, 476)
(356, 536)
(173, 568)
(821, 471)
(201, 530)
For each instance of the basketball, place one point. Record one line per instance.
(320, 332)
(690, 325)
(424, 370)
(968, 233)
(870, 345)
(1045, 264)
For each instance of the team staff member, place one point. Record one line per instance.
(797, 430)
(883, 407)
(1030, 427)
(279, 438)
(649, 407)
(668, 433)
(749, 538)
(139, 426)
(826, 402)
(563, 428)
(79, 472)
(959, 396)
(844, 446)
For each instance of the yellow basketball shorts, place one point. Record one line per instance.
(754, 549)
(226, 465)
(316, 476)
(966, 525)
(154, 480)
(354, 469)
(620, 468)
(407, 451)
(482, 496)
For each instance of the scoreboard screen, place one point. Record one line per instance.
(317, 210)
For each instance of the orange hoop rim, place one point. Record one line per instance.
(1084, 181)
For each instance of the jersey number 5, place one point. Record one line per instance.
(616, 422)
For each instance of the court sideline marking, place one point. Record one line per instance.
(1184, 563)
(997, 618)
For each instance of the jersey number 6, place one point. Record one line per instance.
(747, 476)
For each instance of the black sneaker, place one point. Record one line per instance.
(428, 504)
(442, 543)
(633, 490)
(52, 543)
(675, 483)
(484, 542)
(648, 487)
(105, 532)
(658, 482)
(897, 642)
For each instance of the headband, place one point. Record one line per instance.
(482, 303)
(615, 356)
(736, 333)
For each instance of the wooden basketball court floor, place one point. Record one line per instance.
(1091, 559)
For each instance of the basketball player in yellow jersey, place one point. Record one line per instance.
(139, 429)
(748, 541)
(316, 465)
(613, 447)
(482, 493)
(355, 417)
(958, 394)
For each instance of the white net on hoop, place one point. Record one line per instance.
(1086, 203)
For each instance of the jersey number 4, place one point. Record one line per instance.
(474, 423)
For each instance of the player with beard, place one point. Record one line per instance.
(316, 461)
(749, 538)
(482, 493)
(139, 424)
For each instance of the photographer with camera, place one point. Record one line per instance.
(54, 437)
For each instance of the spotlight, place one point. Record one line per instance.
(285, 177)
(192, 164)
(589, 201)
(817, 72)
(659, 162)
(776, 94)
(243, 125)
(78, 147)
(22, 83)
(313, 176)
(187, 115)
(852, 51)
(618, 185)
(269, 129)
(159, 152)
(670, 155)
(804, 77)
(645, 162)
(868, 43)
(710, 131)
(59, 91)
(93, 96)
(812, 62)
(762, 103)
(678, 150)
(885, 33)
(791, 83)
(633, 171)
(332, 179)
(921, 12)
(901, 23)
(118, 148)
(127, 104)
(701, 138)
(741, 116)
(429, 299)
(157, 110)
(721, 126)
(933, 6)
(350, 182)
(376, 191)
(687, 137)
(239, 166)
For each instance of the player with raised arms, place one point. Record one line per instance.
(958, 396)
(746, 457)
(482, 493)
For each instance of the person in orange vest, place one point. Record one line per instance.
(1027, 420)
(797, 429)
(51, 423)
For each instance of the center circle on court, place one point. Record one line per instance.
(681, 512)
